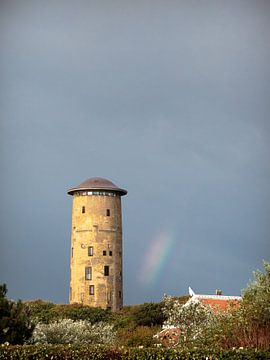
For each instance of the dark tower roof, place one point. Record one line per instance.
(97, 183)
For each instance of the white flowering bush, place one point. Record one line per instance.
(195, 322)
(67, 331)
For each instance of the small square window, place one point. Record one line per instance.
(108, 213)
(104, 253)
(106, 270)
(90, 250)
(83, 210)
(91, 289)
(110, 252)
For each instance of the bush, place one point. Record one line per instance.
(45, 312)
(15, 325)
(137, 336)
(148, 314)
(84, 352)
(67, 331)
(195, 321)
(246, 325)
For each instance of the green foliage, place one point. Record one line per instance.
(84, 352)
(137, 336)
(46, 312)
(256, 297)
(244, 325)
(15, 325)
(148, 314)
(41, 311)
(255, 310)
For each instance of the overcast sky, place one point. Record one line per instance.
(169, 100)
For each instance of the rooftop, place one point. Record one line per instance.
(216, 302)
(97, 183)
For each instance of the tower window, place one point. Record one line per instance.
(83, 209)
(120, 294)
(106, 270)
(72, 252)
(91, 289)
(88, 273)
(108, 212)
(104, 253)
(110, 252)
(90, 251)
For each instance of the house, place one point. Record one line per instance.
(170, 335)
(216, 302)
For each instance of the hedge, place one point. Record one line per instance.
(67, 352)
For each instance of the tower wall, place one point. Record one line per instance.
(96, 243)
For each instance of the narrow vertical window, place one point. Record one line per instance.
(104, 253)
(72, 252)
(91, 289)
(88, 273)
(90, 251)
(120, 294)
(106, 270)
(70, 293)
(83, 209)
(108, 213)
(110, 252)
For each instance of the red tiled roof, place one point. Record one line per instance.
(220, 304)
(215, 302)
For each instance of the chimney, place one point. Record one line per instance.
(218, 292)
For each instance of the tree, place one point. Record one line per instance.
(148, 314)
(255, 308)
(15, 326)
(256, 297)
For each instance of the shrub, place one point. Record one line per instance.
(67, 331)
(137, 336)
(45, 312)
(148, 314)
(196, 322)
(85, 352)
(41, 311)
(15, 325)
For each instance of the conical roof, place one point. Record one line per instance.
(97, 183)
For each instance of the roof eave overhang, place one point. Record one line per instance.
(119, 191)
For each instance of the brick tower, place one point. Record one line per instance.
(96, 244)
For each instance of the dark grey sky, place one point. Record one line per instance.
(168, 99)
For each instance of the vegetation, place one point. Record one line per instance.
(46, 312)
(198, 328)
(243, 326)
(85, 352)
(15, 325)
(67, 331)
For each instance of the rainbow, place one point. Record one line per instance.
(155, 258)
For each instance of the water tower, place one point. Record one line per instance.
(96, 277)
